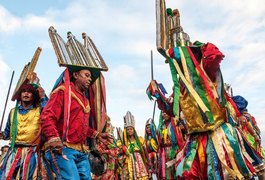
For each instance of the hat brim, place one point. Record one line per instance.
(95, 72)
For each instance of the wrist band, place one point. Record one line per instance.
(54, 140)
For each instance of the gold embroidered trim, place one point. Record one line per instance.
(86, 109)
(57, 89)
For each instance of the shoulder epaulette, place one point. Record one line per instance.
(61, 87)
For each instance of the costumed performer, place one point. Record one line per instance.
(214, 148)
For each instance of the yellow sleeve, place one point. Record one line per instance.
(154, 144)
(119, 144)
(141, 140)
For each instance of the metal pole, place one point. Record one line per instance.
(154, 111)
(152, 66)
(152, 78)
(3, 115)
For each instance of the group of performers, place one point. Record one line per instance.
(222, 140)
(204, 132)
(167, 151)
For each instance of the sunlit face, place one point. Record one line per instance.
(147, 128)
(130, 131)
(26, 96)
(83, 79)
(165, 116)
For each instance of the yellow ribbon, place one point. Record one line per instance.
(189, 86)
(184, 65)
(219, 142)
(201, 154)
(165, 132)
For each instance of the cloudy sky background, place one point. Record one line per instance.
(124, 33)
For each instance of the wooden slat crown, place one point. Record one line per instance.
(75, 54)
(27, 75)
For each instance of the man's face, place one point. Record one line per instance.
(83, 78)
(165, 116)
(26, 96)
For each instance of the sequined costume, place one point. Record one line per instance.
(110, 153)
(170, 142)
(208, 151)
(151, 143)
(22, 160)
(248, 125)
(135, 162)
(214, 147)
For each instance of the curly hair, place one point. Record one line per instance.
(31, 89)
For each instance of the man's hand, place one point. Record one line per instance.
(56, 146)
(105, 138)
(41, 92)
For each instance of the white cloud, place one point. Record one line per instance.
(8, 22)
(3, 72)
(5, 75)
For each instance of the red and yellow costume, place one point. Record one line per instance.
(151, 143)
(134, 153)
(22, 161)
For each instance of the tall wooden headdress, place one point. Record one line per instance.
(27, 75)
(76, 56)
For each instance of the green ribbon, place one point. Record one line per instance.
(197, 83)
(235, 146)
(14, 127)
(211, 160)
(192, 153)
(209, 152)
(131, 149)
(176, 86)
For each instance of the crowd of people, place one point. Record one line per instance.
(126, 155)
(204, 132)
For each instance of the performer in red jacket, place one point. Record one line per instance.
(66, 120)
(67, 141)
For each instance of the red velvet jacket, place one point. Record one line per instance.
(52, 119)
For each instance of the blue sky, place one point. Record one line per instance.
(124, 32)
